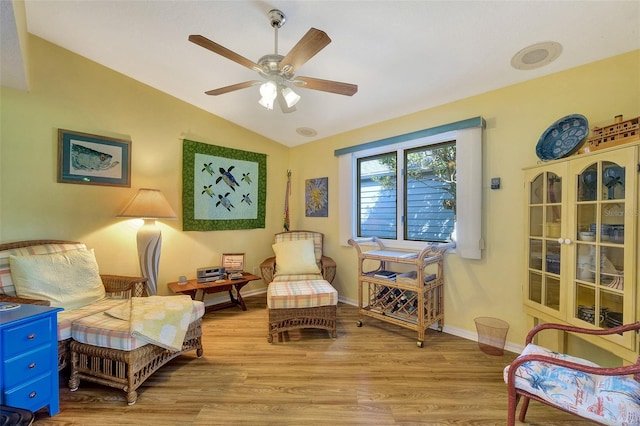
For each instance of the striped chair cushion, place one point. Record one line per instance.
(108, 332)
(300, 277)
(6, 284)
(301, 294)
(66, 318)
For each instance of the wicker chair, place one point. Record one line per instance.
(300, 299)
(608, 396)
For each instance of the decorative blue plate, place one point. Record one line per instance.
(562, 137)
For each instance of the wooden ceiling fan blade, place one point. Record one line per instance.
(223, 51)
(337, 87)
(311, 43)
(233, 87)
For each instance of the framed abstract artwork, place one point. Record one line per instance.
(316, 196)
(93, 160)
(222, 188)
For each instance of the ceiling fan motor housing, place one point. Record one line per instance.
(270, 65)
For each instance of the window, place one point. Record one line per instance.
(423, 203)
(373, 199)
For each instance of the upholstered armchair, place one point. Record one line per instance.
(292, 269)
(609, 396)
(300, 294)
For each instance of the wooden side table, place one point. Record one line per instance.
(197, 290)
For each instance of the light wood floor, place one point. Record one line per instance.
(372, 375)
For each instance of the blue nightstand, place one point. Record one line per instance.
(29, 349)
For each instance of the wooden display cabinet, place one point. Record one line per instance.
(581, 216)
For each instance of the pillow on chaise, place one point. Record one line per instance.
(68, 280)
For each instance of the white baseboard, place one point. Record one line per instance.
(455, 331)
(223, 297)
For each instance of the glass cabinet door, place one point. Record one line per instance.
(601, 258)
(544, 248)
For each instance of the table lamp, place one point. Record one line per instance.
(149, 204)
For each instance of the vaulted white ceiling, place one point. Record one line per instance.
(405, 56)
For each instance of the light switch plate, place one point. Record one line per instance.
(495, 183)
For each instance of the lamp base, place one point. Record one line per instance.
(149, 240)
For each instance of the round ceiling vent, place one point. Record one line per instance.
(536, 55)
(306, 131)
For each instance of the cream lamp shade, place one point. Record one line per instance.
(149, 204)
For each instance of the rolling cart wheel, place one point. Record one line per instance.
(359, 323)
(420, 343)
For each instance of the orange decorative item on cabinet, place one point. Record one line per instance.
(618, 133)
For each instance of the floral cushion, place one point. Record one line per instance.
(611, 400)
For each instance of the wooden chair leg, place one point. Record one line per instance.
(523, 409)
(511, 410)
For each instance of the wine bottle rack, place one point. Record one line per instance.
(414, 301)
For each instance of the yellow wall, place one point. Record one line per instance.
(71, 92)
(516, 117)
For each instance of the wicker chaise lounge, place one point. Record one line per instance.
(127, 369)
(115, 367)
(115, 286)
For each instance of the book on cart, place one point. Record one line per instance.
(411, 277)
(388, 275)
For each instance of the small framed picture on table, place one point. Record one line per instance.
(233, 264)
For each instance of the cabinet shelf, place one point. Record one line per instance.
(412, 299)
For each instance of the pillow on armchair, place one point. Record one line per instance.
(68, 280)
(295, 257)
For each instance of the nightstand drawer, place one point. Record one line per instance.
(25, 337)
(27, 367)
(32, 395)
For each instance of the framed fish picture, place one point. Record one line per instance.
(93, 160)
(222, 188)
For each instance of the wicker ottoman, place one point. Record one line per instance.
(301, 304)
(104, 352)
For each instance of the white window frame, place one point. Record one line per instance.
(469, 242)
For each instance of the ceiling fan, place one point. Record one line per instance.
(279, 71)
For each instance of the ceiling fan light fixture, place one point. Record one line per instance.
(269, 92)
(290, 97)
(267, 103)
(279, 71)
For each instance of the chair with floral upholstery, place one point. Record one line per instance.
(300, 294)
(605, 395)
